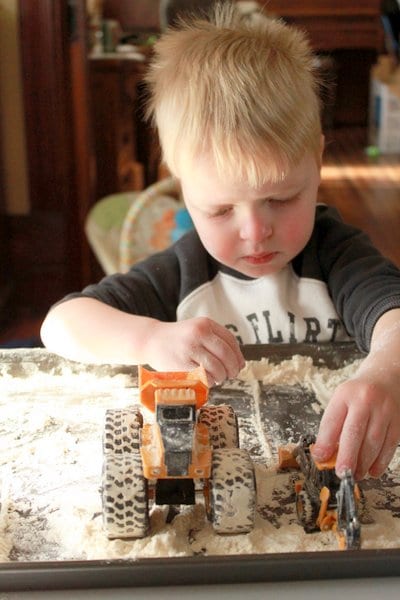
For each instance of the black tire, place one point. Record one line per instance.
(307, 511)
(222, 425)
(122, 431)
(232, 491)
(124, 496)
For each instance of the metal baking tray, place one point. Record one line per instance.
(85, 574)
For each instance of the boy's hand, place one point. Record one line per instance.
(363, 420)
(184, 345)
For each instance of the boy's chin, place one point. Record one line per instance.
(256, 271)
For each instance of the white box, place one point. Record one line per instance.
(384, 114)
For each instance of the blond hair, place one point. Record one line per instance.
(245, 94)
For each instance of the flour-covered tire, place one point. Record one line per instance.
(222, 425)
(307, 511)
(232, 491)
(122, 431)
(124, 496)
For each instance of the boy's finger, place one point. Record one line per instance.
(226, 349)
(214, 367)
(372, 445)
(233, 344)
(351, 441)
(388, 449)
(329, 431)
(367, 456)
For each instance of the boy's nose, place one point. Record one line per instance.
(255, 228)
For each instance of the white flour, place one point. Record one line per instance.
(301, 370)
(50, 468)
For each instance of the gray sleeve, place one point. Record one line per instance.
(363, 283)
(155, 286)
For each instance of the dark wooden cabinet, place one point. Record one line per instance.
(334, 24)
(5, 285)
(114, 85)
(49, 253)
(351, 34)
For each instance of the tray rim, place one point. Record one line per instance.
(209, 570)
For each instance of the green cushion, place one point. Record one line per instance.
(111, 210)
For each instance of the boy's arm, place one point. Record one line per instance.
(363, 415)
(90, 331)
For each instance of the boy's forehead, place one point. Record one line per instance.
(202, 180)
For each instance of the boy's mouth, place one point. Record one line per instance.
(260, 259)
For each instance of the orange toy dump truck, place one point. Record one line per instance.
(187, 447)
(323, 501)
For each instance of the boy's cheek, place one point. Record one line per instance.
(212, 236)
(219, 249)
(297, 231)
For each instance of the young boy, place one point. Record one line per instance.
(237, 110)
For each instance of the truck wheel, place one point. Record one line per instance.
(122, 430)
(124, 496)
(232, 491)
(222, 425)
(306, 511)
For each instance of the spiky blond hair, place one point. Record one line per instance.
(245, 94)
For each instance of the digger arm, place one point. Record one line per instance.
(348, 524)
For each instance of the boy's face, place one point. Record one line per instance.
(254, 231)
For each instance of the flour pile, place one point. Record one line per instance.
(299, 370)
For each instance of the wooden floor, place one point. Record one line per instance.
(365, 190)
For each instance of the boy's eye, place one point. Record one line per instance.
(276, 200)
(282, 200)
(221, 212)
